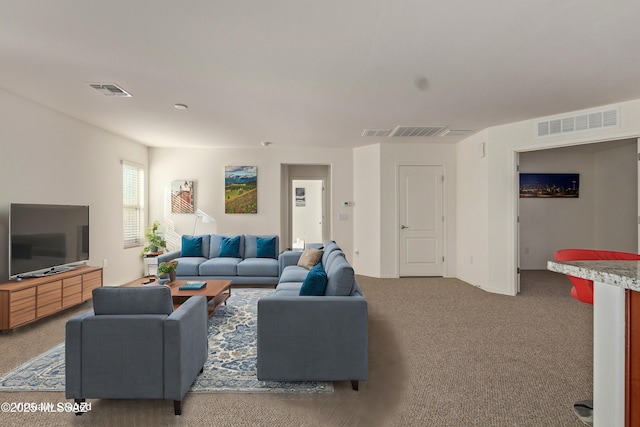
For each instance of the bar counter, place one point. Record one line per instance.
(616, 338)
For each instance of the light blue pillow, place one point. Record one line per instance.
(266, 247)
(230, 247)
(315, 283)
(191, 246)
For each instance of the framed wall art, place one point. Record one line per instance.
(240, 189)
(549, 185)
(182, 196)
(301, 199)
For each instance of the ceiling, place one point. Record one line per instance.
(301, 74)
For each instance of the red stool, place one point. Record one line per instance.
(582, 288)
(583, 291)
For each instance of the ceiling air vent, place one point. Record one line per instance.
(110, 89)
(455, 132)
(417, 131)
(376, 132)
(578, 123)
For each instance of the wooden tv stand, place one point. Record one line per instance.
(31, 299)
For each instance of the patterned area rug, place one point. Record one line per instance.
(230, 367)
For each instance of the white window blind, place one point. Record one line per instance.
(132, 204)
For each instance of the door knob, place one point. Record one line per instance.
(403, 227)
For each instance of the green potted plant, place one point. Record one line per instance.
(155, 241)
(168, 267)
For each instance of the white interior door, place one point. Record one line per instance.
(421, 221)
(307, 207)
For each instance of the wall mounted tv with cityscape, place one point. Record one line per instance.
(47, 239)
(545, 185)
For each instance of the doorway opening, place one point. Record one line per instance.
(305, 204)
(307, 212)
(603, 216)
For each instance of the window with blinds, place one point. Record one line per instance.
(132, 204)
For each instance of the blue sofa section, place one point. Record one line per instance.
(133, 345)
(249, 266)
(314, 338)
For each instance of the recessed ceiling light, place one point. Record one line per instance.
(180, 106)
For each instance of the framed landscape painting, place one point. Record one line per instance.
(240, 189)
(546, 185)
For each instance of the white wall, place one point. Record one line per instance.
(376, 190)
(52, 158)
(366, 210)
(206, 167)
(549, 224)
(502, 144)
(616, 210)
(472, 214)
(392, 156)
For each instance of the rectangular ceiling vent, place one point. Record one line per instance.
(456, 132)
(110, 89)
(411, 131)
(376, 132)
(578, 123)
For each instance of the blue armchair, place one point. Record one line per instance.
(133, 345)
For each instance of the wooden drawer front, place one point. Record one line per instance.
(90, 281)
(23, 306)
(23, 299)
(49, 298)
(71, 291)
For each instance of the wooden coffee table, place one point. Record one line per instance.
(216, 291)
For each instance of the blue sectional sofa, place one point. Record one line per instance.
(314, 338)
(244, 259)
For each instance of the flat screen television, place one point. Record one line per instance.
(46, 239)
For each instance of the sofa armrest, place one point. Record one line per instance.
(185, 346)
(312, 338)
(288, 258)
(73, 355)
(168, 256)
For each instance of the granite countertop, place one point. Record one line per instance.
(625, 274)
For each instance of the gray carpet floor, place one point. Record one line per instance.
(442, 353)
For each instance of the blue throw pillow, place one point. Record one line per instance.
(266, 247)
(230, 247)
(191, 246)
(316, 281)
